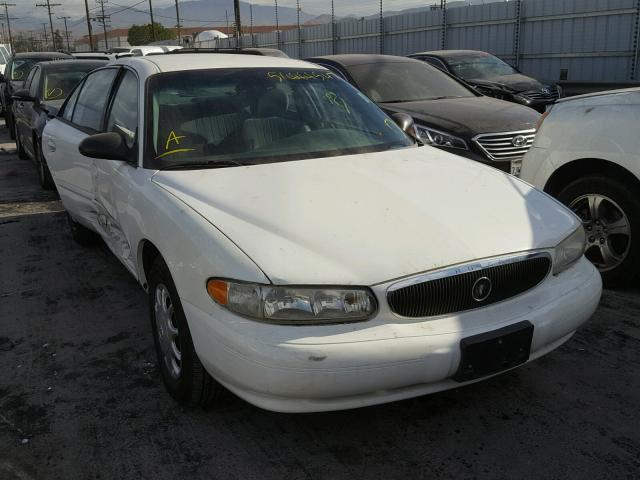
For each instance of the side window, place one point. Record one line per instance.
(27, 82)
(35, 82)
(435, 62)
(92, 100)
(71, 103)
(123, 117)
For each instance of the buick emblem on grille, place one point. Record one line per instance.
(481, 289)
(519, 141)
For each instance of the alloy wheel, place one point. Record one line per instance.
(607, 227)
(168, 335)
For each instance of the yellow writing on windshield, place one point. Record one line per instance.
(282, 76)
(53, 93)
(173, 138)
(334, 99)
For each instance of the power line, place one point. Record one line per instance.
(103, 19)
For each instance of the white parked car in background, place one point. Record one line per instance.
(587, 154)
(298, 247)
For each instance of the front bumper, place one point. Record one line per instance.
(388, 358)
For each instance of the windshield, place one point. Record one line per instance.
(406, 82)
(57, 85)
(228, 117)
(480, 66)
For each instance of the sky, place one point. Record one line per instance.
(75, 8)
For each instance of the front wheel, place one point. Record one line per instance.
(610, 214)
(182, 373)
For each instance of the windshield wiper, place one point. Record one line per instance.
(210, 164)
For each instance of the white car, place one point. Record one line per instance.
(587, 154)
(295, 243)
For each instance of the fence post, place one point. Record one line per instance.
(381, 36)
(443, 8)
(334, 50)
(636, 44)
(516, 34)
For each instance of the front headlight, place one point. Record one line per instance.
(294, 305)
(569, 250)
(523, 99)
(429, 136)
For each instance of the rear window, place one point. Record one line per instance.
(58, 85)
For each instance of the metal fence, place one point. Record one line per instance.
(575, 40)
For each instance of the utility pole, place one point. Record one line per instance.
(46, 37)
(49, 5)
(66, 31)
(178, 24)
(153, 28)
(103, 19)
(236, 11)
(226, 15)
(6, 14)
(86, 9)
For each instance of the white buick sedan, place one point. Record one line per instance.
(298, 248)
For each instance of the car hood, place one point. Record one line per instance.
(515, 83)
(369, 218)
(468, 117)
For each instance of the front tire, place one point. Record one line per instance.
(610, 213)
(81, 234)
(182, 372)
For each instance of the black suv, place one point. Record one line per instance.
(14, 76)
(491, 76)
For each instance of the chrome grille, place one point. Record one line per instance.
(451, 291)
(505, 146)
(540, 95)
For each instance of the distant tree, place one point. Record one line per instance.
(142, 34)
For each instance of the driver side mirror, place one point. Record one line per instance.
(405, 122)
(109, 146)
(23, 95)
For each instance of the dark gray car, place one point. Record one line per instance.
(44, 91)
(448, 113)
(14, 76)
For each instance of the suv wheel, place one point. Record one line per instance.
(610, 214)
(182, 373)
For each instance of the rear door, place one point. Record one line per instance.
(82, 115)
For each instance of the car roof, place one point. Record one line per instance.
(351, 59)
(70, 64)
(203, 61)
(42, 55)
(453, 53)
(612, 94)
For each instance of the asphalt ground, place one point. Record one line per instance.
(81, 397)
